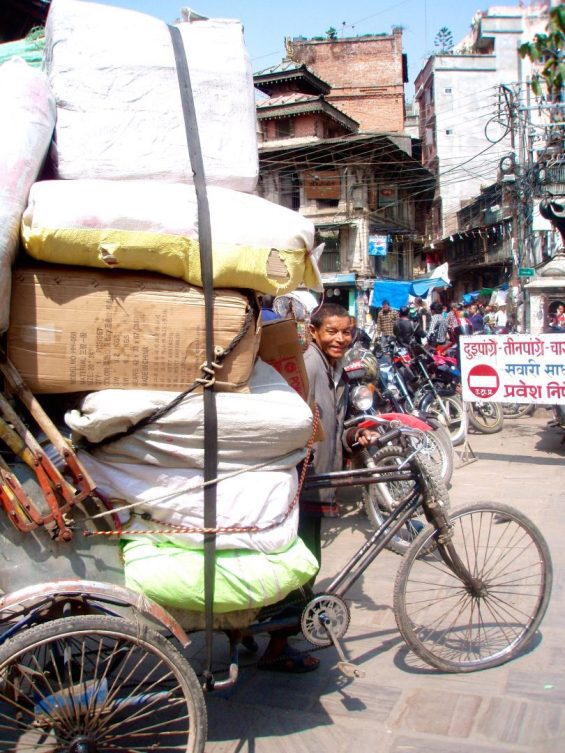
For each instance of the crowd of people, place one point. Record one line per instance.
(440, 324)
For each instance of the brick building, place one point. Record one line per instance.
(366, 75)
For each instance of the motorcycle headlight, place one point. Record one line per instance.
(362, 398)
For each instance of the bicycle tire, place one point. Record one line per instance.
(70, 684)
(439, 618)
(485, 417)
(381, 498)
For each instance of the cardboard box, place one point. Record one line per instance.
(280, 347)
(78, 330)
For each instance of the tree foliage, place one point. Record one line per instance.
(331, 33)
(444, 40)
(547, 50)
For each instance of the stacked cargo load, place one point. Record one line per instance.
(109, 302)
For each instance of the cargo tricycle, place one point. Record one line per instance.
(90, 666)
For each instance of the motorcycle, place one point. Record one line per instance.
(412, 437)
(483, 416)
(436, 397)
(377, 386)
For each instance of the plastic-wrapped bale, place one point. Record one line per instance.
(148, 225)
(119, 112)
(260, 504)
(26, 126)
(270, 424)
(174, 576)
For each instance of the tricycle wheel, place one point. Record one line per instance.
(95, 684)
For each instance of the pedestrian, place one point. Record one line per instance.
(437, 333)
(358, 335)
(557, 323)
(500, 318)
(423, 313)
(489, 318)
(330, 328)
(406, 329)
(476, 319)
(454, 321)
(385, 320)
(267, 311)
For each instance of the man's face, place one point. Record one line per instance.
(333, 337)
(386, 307)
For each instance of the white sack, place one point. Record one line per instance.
(169, 495)
(269, 424)
(118, 102)
(27, 120)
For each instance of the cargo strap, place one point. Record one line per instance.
(207, 273)
(208, 379)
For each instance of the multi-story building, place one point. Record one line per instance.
(469, 101)
(365, 192)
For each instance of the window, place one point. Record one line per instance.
(330, 260)
(449, 131)
(448, 90)
(289, 189)
(284, 128)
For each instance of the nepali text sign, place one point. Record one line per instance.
(513, 368)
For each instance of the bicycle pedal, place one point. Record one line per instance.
(350, 670)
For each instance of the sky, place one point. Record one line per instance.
(267, 23)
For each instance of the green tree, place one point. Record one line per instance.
(547, 51)
(331, 33)
(444, 40)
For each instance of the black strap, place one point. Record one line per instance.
(210, 415)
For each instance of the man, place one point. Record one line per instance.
(267, 311)
(404, 328)
(500, 318)
(476, 319)
(330, 329)
(358, 335)
(385, 320)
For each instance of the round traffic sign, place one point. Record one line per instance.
(483, 380)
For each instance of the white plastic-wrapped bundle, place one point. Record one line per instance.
(153, 226)
(118, 103)
(27, 119)
(270, 424)
(175, 497)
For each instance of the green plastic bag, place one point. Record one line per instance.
(174, 576)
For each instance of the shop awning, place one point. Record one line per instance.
(397, 292)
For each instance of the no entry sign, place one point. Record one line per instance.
(483, 381)
(513, 368)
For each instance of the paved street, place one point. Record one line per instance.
(403, 706)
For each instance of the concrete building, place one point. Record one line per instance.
(467, 101)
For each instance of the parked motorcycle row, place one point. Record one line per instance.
(411, 395)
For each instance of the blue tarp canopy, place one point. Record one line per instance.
(396, 292)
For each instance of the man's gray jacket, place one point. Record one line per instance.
(329, 390)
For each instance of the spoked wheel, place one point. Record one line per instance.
(93, 684)
(485, 417)
(381, 498)
(436, 447)
(450, 412)
(459, 624)
(517, 410)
